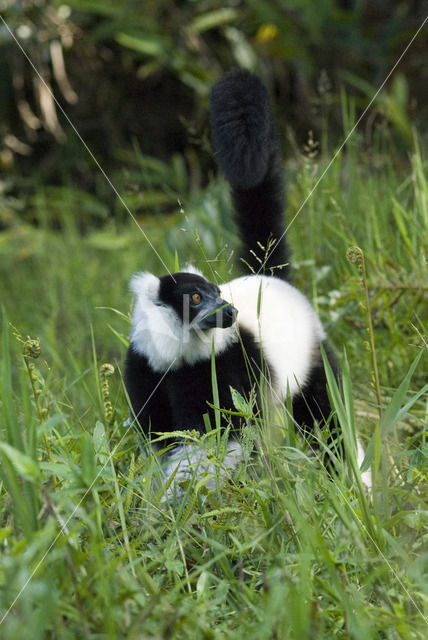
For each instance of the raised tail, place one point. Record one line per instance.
(248, 153)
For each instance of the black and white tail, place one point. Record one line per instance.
(248, 153)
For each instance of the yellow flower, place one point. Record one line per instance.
(266, 32)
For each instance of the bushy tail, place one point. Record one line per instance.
(247, 148)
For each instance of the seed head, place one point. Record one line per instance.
(31, 348)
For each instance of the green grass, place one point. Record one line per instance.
(280, 551)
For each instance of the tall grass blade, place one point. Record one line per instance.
(395, 411)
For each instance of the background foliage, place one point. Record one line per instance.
(116, 67)
(281, 551)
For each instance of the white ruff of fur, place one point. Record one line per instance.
(287, 327)
(193, 462)
(160, 335)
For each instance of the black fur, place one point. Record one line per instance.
(176, 292)
(180, 400)
(248, 152)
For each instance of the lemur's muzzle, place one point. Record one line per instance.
(222, 315)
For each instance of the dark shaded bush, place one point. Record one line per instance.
(137, 74)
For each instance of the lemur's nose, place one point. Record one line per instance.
(231, 311)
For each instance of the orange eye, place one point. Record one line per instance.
(196, 298)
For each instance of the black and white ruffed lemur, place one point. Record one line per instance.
(257, 322)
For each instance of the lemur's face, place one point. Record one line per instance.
(196, 301)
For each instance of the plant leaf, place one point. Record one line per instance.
(20, 461)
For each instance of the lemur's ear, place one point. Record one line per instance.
(145, 285)
(189, 268)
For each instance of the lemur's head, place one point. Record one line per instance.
(197, 302)
(178, 315)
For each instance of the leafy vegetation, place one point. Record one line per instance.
(281, 551)
(117, 66)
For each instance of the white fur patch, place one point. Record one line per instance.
(366, 476)
(192, 461)
(286, 325)
(159, 334)
(189, 268)
(145, 286)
